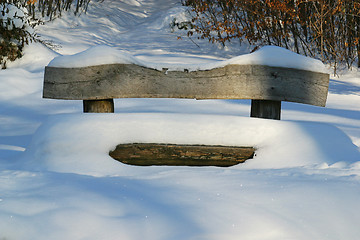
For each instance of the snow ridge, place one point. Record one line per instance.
(267, 55)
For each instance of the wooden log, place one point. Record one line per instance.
(98, 106)
(147, 154)
(266, 109)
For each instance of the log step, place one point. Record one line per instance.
(148, 154)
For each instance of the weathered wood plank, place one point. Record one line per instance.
(230, 82)
(147, 154)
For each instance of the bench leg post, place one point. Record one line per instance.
(266, 109)
(98, 106)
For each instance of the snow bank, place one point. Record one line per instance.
(36, 56)
(268, 55)
(97, 55)
(178, 203)
(80, 143)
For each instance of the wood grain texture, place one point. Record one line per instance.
(230, 82)
(147, 154)
(266, 109)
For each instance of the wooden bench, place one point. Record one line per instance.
(266, 86)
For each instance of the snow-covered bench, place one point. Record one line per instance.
(268, 76)
(100, 74)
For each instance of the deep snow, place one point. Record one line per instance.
(57, 181)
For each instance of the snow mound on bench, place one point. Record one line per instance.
(268, 56)
(80, 143)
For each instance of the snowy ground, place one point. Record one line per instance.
(57, 181)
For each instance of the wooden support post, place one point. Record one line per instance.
(266, 109)
(98, 106)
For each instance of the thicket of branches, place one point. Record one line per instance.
(53, 8)
(326, 29)
(19, 17)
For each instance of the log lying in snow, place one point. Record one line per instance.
(147, 154)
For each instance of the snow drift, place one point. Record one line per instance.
(269, 55)
(80, 143)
